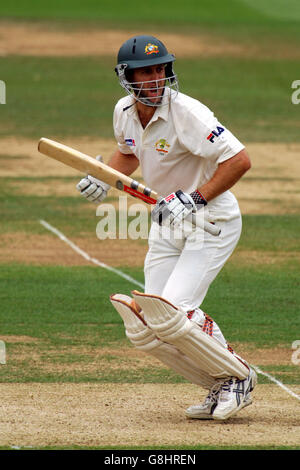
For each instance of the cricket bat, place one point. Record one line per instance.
(89, 165)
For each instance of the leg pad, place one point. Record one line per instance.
(172, 326)
(143, 338)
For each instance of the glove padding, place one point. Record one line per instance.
(93, 189)
(173, 209)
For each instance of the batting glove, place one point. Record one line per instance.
(93, 189)
(173, 209)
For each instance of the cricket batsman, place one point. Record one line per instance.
(192, 160)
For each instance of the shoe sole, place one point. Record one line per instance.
(210, 416)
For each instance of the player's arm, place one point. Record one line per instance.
(96, 190)
(226, 175)
(125, 163)
(175, 207)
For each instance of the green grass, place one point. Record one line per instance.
(71, 214)
(66, 307)
(75, 216)
(253, 98)
(193, 12)
(250, 96)
(69, 306)
(52, 301)
(23, 212)
(257, 305)
(75, 103)
(270, 233)
(61, 302)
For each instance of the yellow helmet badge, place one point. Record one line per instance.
(151, 49)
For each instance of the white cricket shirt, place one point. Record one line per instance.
(180, 148)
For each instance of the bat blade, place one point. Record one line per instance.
(89, 165)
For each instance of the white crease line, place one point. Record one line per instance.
(134, 281)
(88, 257)
(277, 382)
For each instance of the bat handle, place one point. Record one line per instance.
(207, 226)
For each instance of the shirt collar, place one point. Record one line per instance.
(161, 112)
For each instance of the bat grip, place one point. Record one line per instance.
(207, 226)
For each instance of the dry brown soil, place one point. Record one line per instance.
(137, 415)
(34, 39)
(21, 39)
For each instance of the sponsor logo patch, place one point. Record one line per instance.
(211, 137)
(130, 142)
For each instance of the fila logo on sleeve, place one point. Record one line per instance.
(211, 137)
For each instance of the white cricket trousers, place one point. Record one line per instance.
(181, 270)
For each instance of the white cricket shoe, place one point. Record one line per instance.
(233, 394)
(206, 409)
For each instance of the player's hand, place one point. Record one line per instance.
(173, 209)
(93, 189)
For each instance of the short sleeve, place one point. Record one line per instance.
(204, 136)
(118, 131)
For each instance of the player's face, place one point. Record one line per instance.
(150, 82)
